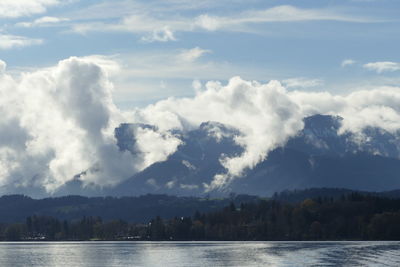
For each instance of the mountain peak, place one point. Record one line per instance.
(218, 130)
(322, 122)
(125, 135)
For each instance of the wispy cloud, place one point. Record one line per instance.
(174, 64)
(348, 62)
(123, 8)
(40, 22)
(12, 41)
(382, 66)
(142, 73)
(152, 29)
(162, 26)
(163, 35)
(193, 54)
(284, 13)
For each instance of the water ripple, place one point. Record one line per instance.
(116, 254)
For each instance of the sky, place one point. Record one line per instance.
(72, 71)
(161, 47)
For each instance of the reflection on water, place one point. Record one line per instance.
(96, 254)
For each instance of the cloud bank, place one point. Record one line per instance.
(267, 115)
(58, 123)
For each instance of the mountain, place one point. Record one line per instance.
(318, 156)
(195, 162)
(297, 196)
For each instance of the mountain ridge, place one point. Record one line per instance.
(318, 156)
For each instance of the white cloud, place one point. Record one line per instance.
(59, 122)
(20, 8)
(197, 86)
(348, 62)
(208, 22)
(3, 67)
(41, 22)
(163, 35)
(107, 63)
(262, 112)
(284, 13)
(267, 115)
(383, 66)
(291, 13)
(377, 108)
(193, 54)
(12, 41)
(154, 146)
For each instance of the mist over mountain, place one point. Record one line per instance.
(318, 156)
(61, 133)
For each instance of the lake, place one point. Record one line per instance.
(96, 254)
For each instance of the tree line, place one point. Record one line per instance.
(351, 217)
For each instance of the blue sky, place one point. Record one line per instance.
(161, 47)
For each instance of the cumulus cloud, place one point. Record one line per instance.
(3, 66)
(383, 66)
(262, 112)
(267, 116)
(58, 123)
(107, 63)
(12, 41)
(154, 146)
(64, 112)
(360, 109)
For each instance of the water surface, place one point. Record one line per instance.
(97, 254)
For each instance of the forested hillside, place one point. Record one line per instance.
(16, 208)
(353, 216)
